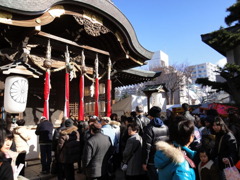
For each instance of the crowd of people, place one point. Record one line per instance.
(144, 146)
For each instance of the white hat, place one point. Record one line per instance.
(42, 118)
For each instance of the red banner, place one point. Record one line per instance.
(66, 106)
(81, 99)
(46, 95)
(108, 98)
(96, 96)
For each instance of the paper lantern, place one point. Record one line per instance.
(15, 94)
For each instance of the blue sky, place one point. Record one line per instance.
(175, 26)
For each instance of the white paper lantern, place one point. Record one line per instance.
(156, 99)
(15, 94)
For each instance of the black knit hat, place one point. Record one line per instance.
(68, 123)
(155, 111)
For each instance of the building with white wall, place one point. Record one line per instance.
(159, 59)
(204, 70)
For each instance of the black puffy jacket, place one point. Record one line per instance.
(155, 131)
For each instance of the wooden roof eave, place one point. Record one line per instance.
(155, 88)
(133, 76)
(142, 73)
(105, 8)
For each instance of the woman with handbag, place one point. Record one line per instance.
(132, 154)
(225, 149)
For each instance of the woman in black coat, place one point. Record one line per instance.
(225, 149)
(68, 150)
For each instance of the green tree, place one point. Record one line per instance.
(228, 38)
(234, 13)
(231, 73)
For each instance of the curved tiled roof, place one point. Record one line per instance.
(103, 7)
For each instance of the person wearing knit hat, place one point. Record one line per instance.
(155, 131)
(155, 111)
(68, 123)
(68, 149)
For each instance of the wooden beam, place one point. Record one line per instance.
(58, 64)
(57, 38)
(7, 18)
(136, 61)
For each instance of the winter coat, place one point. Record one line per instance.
(155, 131)
(226, 149)
(12, 155)
(209, 171)
(123, 138)
(44, 130)
(55, 138)
(188, 116)
(68, 149)
(142, 121)
(235, 128)
(208, 139)
(21, 136)
(96, 155)
(133, 154)
(116, 127)
(6, 172)
(109, 131)
(171, 163)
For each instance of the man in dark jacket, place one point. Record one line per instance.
(96, 153)
(155, 131)
(141, 120)
(44, 131)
